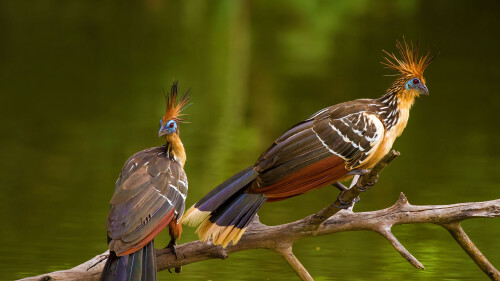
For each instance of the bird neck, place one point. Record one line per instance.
(175, 148)
(398, 105)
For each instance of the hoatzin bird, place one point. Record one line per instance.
(150, 194)
(326, 148)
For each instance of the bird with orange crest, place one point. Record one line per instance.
(150, 194)
(332, 145)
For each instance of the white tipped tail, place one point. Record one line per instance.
(194, 217)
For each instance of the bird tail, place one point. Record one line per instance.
(226, 211)
(140, 265)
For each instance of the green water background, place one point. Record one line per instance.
(81, 91)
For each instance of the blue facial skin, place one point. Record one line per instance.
(168, 128)
(416, 84)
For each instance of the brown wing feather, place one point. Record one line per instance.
(166, 220)
(317, 151)
(313, 176)
(149, 194)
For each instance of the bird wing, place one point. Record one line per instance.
(319, 150)
(149, 193)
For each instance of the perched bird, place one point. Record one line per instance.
(150, 194)
(324, 149)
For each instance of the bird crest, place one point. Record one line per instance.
(410, 64)
(173, 111)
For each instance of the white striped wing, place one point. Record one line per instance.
(352, 137)
(346, 131)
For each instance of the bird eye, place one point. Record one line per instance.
(171, 125)
(416, 81)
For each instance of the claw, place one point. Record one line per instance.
(176, 270)
(343, 205)
(171, 246)
(359, 173)
(367, 185)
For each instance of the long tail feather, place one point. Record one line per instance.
(140, 265)
(225, 212)
(228, 222)
(215, 198)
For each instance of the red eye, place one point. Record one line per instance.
(171, 125)
(416, 81)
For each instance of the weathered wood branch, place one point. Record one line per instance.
(294, 263)
(464, 241)
(280, 238)
(260, 236)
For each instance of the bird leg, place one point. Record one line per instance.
(340, 186)
(343, 188)
(343, 205)
(358, 173)
(171, 246)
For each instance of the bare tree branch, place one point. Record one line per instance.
(464, 241)
(280, 238)
(294, 263)
(387, 233)
(260, 236)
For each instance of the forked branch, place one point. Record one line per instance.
(280, 238)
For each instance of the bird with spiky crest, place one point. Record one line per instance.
(333, 145)
(150, 194)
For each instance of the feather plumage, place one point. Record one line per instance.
(174, 107)
(149, 195)
(410, 64)
(315, 152)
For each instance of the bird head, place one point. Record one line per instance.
(169, 123)
(411, 66)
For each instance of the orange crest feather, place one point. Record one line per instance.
(410, 65)
(174, 110)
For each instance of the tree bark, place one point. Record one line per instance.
(260, 236)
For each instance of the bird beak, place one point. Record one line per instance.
(421, 88)
(163, 131)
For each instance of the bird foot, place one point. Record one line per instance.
(358, 173)
(345, 205)
(176, 270)
(172, 248)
